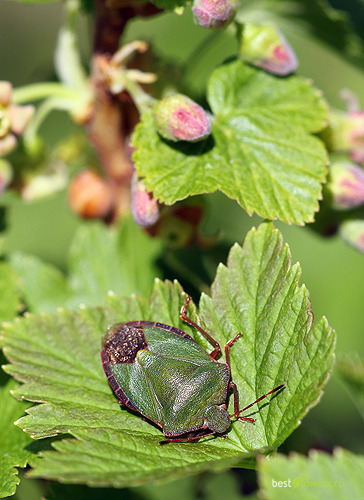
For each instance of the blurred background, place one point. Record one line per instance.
(332, 271)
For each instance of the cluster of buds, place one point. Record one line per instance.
(267, 48)
(13, 119)
(214, 13)
(346, 185)
(178, 118)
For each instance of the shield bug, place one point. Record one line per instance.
(162, 373)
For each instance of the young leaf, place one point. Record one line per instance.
(13, 441)
(57, 357)
(318, 476)
(100, 260)
(260, 152)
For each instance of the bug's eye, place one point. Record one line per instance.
(217, 418)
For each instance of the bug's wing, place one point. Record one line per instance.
(184, 389)
(207, 387)
(174, 346)
(138, 389)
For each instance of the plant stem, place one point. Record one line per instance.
(114, 117)
(43, 90)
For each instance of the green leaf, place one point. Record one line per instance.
(58, 360)
(260, 152)
(9, 303)
(100, 260)
(350, 369)
(13, 441)
(318, 476)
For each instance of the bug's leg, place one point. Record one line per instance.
(232, 385)
(227, 348)
(214, 354)
(256, 401)
(189, 438)
(237, 412)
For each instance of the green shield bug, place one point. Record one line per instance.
(162, 373)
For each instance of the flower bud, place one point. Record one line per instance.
(178, 118)
(346, 133)
(346, 185)
(352, 231)
(144, 207)
(267, 48)
(90, 195)
(214, 13)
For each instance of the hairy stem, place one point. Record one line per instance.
(114, 117)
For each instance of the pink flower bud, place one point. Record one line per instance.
(352, 231)
(345, 131)
(178, 118)
(267, 48)
(346, 185)
(145, 208)
(214, 13)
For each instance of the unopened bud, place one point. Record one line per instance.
(90, 195)
(145, 208)
(346, 133)
(352, 231)
(346, 185)
(267, 48)
(178, 118)
(214, 13)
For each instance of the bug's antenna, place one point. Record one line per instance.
(262, 397)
